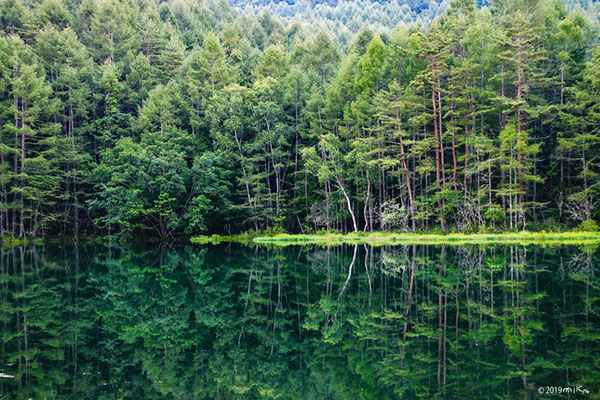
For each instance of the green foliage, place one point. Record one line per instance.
(157, 119)
(158, 321)
(394, 216)
(588, 226)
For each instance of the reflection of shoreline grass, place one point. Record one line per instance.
(387, 239)
(375, 238)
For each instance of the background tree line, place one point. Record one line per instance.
(344, 19)
(138, 118)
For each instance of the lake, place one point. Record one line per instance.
(228, 321)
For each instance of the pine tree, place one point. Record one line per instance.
(321, 54)
(111, 31)
(69, 69)
(33, 183)
(171, 57)
(433, 51)
(522, 58)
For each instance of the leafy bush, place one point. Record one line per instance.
(394, 216)
(588, 226)
(494, 214)
(274, 230)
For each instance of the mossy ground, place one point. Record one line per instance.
(246, 237)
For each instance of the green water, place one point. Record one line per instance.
(349, 322)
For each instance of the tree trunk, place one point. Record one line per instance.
(348, 203)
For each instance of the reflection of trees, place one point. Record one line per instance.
(344, 322)
(41, 322)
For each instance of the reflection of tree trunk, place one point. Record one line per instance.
(276, 308)
(521, 260)
(408, 303)
(410, 290)
(4, 301)
(469, 313)
(457, 308)
(492, 288)
(76, 303)
(523, 357)
(25, 325)
(445, 327)
(367, 271)
(349, 272)
(299, 316)
(439, 369)
(442, 320)
(246, 305)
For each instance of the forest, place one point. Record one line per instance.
(139, 118)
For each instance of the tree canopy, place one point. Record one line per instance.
(143, 118)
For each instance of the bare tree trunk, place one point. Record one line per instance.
(406, 173)
(22, 203)
(437, 132)
(348, 203)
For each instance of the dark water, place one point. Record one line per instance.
(354, 322)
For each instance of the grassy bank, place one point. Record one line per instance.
(379, 238)
(245, 238)
(8, 241)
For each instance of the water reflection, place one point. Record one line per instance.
(355, 322)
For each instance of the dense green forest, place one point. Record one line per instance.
(342, 20)
(138, 118)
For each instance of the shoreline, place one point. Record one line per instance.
(395, 239)
(370, 238)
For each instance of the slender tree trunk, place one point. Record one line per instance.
(437, 132)
(466, 191)
(15, 170)
(406, 173)
(366, 208)
(245, 175)
(4, 210)
(518, 181)
(22, 202)
(348, 203)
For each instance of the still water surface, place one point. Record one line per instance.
(349, 322)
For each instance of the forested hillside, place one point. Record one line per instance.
(343, 19)
(590, 8)
(133, 118)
